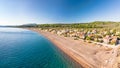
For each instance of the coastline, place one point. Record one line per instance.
(87, 55)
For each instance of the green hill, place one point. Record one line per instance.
(96, 24)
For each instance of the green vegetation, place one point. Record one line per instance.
(97, 24)
(80, 25)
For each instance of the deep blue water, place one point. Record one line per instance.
(20, 48)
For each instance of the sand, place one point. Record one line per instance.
(89, 55)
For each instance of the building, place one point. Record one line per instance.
(107, 39)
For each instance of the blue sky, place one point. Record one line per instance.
(17, 12)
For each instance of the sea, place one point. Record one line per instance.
(22, 48)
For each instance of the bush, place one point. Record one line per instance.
(88, 38)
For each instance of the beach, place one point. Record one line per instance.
(89, 55)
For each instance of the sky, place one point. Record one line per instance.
(18, 12)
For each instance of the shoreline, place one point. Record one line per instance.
(76, 64)
(87, 55)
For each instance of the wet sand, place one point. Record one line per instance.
(89, 55)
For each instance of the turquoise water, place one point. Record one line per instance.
(20, 48)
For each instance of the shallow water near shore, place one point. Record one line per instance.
(20, 48)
